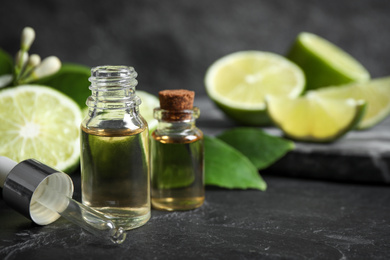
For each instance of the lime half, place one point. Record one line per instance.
(375, 92)
(239, 82)
(42, 123)
(324, 63)
(315, 119)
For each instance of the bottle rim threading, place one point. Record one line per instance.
(105, 78)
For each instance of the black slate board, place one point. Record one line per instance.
(293, 219)
(359, 156)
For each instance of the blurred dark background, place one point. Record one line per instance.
(172, 43)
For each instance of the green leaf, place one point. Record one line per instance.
(6, 63)
(72, 80)
(261, 148)
(228, 168)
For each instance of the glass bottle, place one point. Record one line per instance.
(115, 149)
(177, 154)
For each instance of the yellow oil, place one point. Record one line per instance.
(115, 174)
(177, 172)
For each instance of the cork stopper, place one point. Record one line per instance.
(175, 101)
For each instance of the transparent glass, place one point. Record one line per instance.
(114, 149)
(177, 161)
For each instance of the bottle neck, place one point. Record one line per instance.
(113, 88)
(177, 120)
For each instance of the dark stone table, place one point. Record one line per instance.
(296, 218)
(293, 219)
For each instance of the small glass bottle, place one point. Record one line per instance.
(115, 149)
(177, 154)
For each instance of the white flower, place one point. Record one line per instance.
(49, 66)
(28, 36)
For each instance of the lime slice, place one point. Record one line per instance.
(42, 123)
(315, 119)
(324, 63)
(149, 102)
(239, 82)
(375, 92)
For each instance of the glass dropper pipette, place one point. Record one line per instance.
(43, 194)
(79, 214)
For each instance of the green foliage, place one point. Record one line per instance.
(261, 148)
(228, 168)
(6, 63)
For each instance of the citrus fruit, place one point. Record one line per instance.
(375, 92)
(324, 63)
(239, 82)
(313, 118)
(42, 123)
(149, 102)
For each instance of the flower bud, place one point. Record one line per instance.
(48, 66)
(28, 36)
(34, 60)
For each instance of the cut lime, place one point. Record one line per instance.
(315, 119)
(324, 63)
(375, 92)
(149, 102)
(239, 82)
(42, 123)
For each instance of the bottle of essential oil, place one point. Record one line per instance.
(114, 149)
(177, 155)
